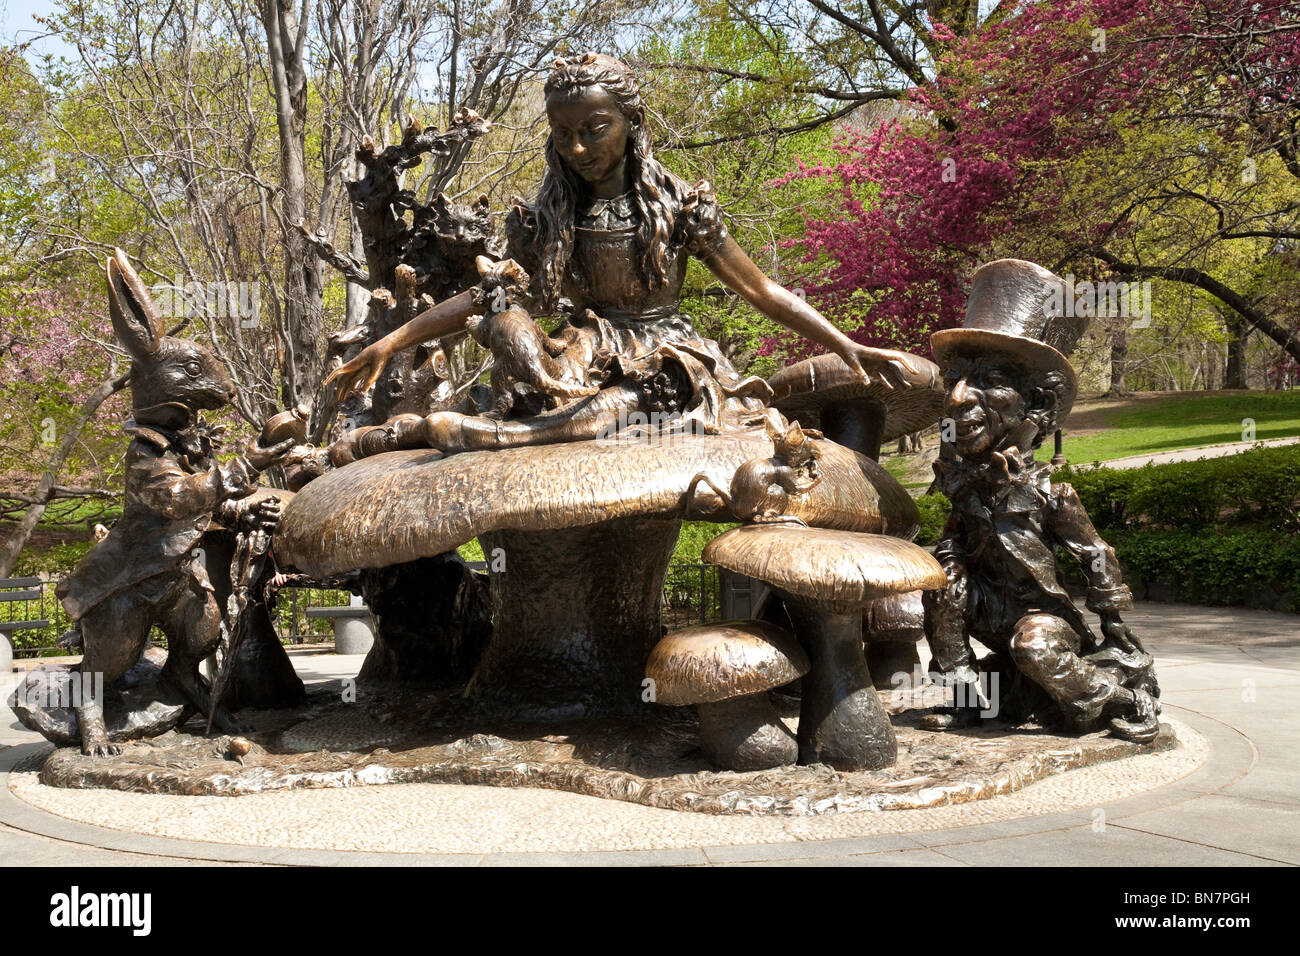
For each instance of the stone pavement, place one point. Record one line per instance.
(1230, 677)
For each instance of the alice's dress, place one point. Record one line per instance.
(620, 329)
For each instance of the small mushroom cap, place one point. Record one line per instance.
(714, 662)
(844, 568)
(802, 390)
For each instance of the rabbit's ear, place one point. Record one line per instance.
(136, 321)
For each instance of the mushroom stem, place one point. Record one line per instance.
(575, 614)
(856, 423)
(745, 733)
(841, 720)
(887, 659)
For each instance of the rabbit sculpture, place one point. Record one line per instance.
(148, 570)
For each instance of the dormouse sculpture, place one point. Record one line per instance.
(761, 488)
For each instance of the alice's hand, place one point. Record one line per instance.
(886, 366)
(361, 373)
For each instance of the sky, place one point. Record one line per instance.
(17, 26)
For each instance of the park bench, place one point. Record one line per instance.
(352, 624)
(12, 591)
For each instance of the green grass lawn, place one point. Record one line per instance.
(1102, 429)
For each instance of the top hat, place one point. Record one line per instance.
(1016, 311)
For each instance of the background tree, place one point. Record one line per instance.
(1113, 139)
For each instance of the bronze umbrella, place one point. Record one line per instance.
(822, 392)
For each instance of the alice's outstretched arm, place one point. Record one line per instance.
(445, 318)
(730, 264)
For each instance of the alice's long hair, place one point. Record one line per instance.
(657, 193)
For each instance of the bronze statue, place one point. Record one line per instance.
(608, 239)
(1009, 385)
(146, 572)
(761, 488)
(525, 355)
(416, 254)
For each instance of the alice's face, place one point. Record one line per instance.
(590, 133)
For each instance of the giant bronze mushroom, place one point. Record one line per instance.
(825, 578)
(822, 392)
(578, 537)
(726, 670)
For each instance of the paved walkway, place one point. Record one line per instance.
(1232, 675)
(1190, 454)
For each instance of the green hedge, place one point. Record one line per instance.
(1221, 531)
(1257, 567)
(934, 510)
(1260, 486)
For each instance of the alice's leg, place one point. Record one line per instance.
(452, 432)
(591, 418)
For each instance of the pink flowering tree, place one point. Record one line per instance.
(1074, 132)
(60, 387)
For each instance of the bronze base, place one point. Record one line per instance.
(396, 735)
(580, 650)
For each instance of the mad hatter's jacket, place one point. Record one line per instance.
(998, 547)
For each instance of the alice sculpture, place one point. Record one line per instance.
(611, 232)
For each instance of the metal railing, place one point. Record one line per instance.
(31, 617)
(693, 594)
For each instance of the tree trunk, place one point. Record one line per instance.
(303, 271)
(358, 297)
(45, 487)
(1234, 371)
(1119, 363)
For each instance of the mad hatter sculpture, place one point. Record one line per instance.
(1009, 385)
